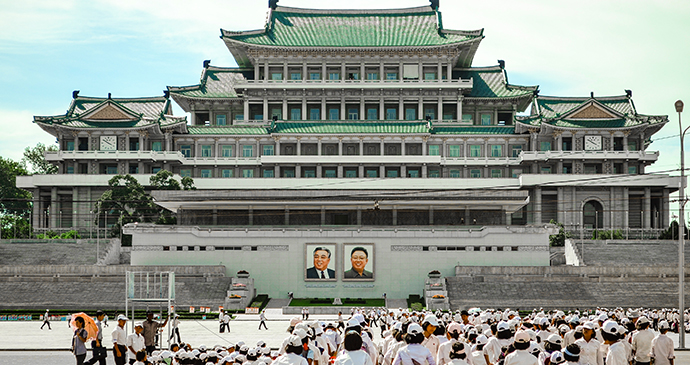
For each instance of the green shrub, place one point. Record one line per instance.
(607, 235)
(559, 238)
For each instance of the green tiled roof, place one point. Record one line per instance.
(230, 130)
(491, 82)
(293, 27)
(606, 123)
(551, 107)
(147, 107)
(474, 130)
(351, 128)
(216, 82)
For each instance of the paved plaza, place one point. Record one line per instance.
(24, 342)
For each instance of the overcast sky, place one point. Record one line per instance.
(135, 48)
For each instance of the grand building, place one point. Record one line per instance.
(358, 127)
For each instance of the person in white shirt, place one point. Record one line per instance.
(520, 356)
(174, 328)
(293, 351)
(414, 353)
(612, 333)
(478, 355)
(642, 341)
(431, 342)
(120, 341)
(662, 346)
(353, 354)
(444, 350)
(458, 355)
(572, 354)
(589, 346)
(135, 342)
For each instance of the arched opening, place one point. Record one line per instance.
(593, 214)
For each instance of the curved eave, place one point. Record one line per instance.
(349, 134)
(523, 100)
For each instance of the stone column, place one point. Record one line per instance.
(340, 146)
(626, 207)
(424, 171)
(251, 215)
(215, 217)
(382, 171)
(287, 215)
(431, 215)
(340, 171)
(420, 109)
(256, 71)
(382, 111)
(304, 109)
(54, 207)
(285, 70)
(285, 110)
(439, 116)
(324, 111)
(266, 74)
(647, 208)
(459, 108)
(361, 171)
(403, 171)
(508, 217)
(343, 112)
(402, 146)
(246, 110)
(298, 171)
(318, 147)
(359, 216)
(277, 151)
(362, 109)
(560, 215)
(323, 214)
(395, 215)
(537, 205)
(361, 147)
(265, 110)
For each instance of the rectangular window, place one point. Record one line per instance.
(206, 150)
(333, 114)
(330, 173)
(70, 170)
(468, 118)
(372, 76)
(206, 173)
(430, 112)
(226, 151)
(314, 114)
(227, 173)
(309, 172)
(221, 119)
(134, 144)
(391, 75)
(350, 173)
(486, 119)
(247, 151)
(133, 169)
(517, 172)
(413, 173)
(186, 173)
(314, 76)
(372, 173)
(277, 76)
(295, 76)
(475, 173)
(434, 150)
(632, 170)
(154, 170)
(70, 147)
(247, 172)
(334, 76)
(288, 172)
(545, 146)
(268, 173)
(353, 114)
(496, 173)
(391, 114)
(373, 114)
(516, 150)
(295, 114)
(546, 170)
(268, 150)
(632, 146)
(186, 151)
(454, 151)
(391, 173)
(353, 76)
(454, 173)
(410, 114)
(434, 173)
(157, 146)
(239, 117)
(496, 150)
(430, 76)
(476, 150)
(111, 170)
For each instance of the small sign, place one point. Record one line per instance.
(220, 308)
(191, 309)
(251, 310)
(337, 301)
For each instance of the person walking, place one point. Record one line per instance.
(78, 340)
(135, 342)
(175, 323)
(353, 354)
(46, 320)
(225, 322)
(99, 352)
(262, 318)
(120, 341)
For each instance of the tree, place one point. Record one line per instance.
(36, 159)
(12, 199)
(559, 238)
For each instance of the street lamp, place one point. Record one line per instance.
(681, 231)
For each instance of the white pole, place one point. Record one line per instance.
(681, 233)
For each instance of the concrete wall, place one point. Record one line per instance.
(402, 257)
(572, 257)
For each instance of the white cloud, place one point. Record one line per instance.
(18, 132)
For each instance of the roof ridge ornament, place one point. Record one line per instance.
(75, 94)
(434, 4)
(273, 4)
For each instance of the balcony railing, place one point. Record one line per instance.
(114, 155)
(457, 83)
(649, 156)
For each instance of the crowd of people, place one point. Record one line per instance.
(475, 337)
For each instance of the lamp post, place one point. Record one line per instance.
(681, 232)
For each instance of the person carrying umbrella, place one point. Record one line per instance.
(99, 351)
(79, 339)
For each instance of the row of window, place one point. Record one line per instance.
(369, 172)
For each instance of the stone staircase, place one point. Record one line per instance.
(612, 253)
(497, 292)
(54, 252)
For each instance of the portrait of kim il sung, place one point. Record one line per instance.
(358, 260)
(320, 262)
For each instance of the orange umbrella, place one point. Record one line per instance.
(89, 325)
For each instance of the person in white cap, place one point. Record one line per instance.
(414, 353)
(496, 345)
(120, 341)
(453, 334)
(174, 328)
(458, 354)
(478, 355)
(521, 356)
(612, 333)
(430, 324)
(135, 342)
(293, 351)
(642, 341)
(662, 346)
(590, 353)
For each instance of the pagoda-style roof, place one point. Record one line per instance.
(314, 28)
(492, 82)
(113, 113)
(610, 112)
(215, 83)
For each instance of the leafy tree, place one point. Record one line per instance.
(35, 158)
(164, 180)
(12, 199)
(672, 232)
(559, 238)
(14, 226)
